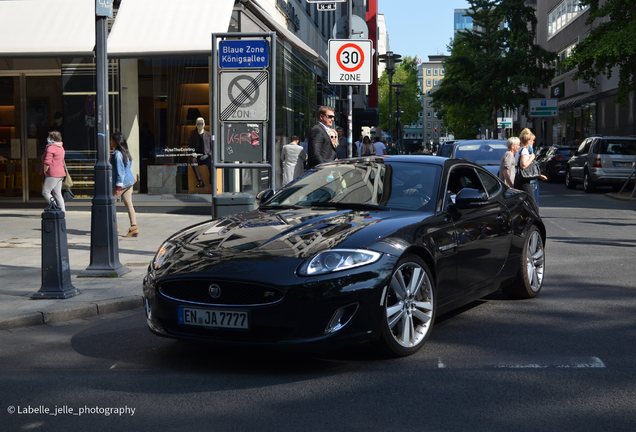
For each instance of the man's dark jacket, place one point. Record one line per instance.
(320, 147)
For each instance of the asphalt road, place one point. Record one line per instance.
(561, 362)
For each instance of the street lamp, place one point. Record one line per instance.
(398, 122)
(391, 60)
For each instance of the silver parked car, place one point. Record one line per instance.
(601, 161)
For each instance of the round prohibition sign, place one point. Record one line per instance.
(350, 57)
(237, 87)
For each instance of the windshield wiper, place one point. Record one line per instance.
(281, 207)
(354, 206)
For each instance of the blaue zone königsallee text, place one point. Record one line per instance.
(243, 54)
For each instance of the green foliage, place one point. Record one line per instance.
(609, 44)
(405, 73)
(493, 66)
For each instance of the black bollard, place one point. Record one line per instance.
(56, 269)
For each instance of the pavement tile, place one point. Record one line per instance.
(21, 271)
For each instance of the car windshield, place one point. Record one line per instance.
(618, 147)
(482, 153)
(357, 184)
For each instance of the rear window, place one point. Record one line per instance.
(618, 147)
(565, 151)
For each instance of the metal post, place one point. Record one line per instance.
(350, 95)
(390, 140)
(104, 246)
(56, 270)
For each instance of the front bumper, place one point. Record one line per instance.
(302, 316)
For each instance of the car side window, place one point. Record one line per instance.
(585, 147)
(492, 185)
(460, 178)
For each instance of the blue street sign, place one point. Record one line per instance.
(243, 53)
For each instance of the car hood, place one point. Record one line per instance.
(279, 235)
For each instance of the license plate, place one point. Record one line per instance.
(622, 164)
(214, 318)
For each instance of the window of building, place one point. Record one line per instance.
(428, 125)
(557, 65)
(435, 114)
(435, 71)
(441, 72)
(428, 103)
(563, 14)
(429, 114)
(428, 72)
(428, 82)
(435, 82)
(435, 123)
(428, 135)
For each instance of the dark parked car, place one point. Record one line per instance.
(446, 148)
(487, 153)
(601, 161)
(354, 251)
(554, 162)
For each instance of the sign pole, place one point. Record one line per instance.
(104, 255)
(350, 95)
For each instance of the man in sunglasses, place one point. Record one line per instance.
(320, 146)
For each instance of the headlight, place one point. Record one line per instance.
(163, 254)
(337, 260)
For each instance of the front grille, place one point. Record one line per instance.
(232, 293)
(255, 334)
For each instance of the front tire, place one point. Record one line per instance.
(588, 184)
(569, 181)
(408, 308)
(529, 278)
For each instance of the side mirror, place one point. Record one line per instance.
(467, 198)
(263, 196)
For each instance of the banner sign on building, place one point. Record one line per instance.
(243, 54)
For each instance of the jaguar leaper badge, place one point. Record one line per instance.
(215, 291)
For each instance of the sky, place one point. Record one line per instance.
(419, 27)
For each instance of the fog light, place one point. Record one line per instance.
(341, 318)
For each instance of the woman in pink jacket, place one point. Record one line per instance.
(53, 169)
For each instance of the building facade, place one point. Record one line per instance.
(583, 111)
(159, 84)
(432, 73)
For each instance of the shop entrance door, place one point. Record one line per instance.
(30, 107)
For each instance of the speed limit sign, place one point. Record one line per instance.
(350, 61)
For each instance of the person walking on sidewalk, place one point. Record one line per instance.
(292, 156)
(123, 179)
(53, 169)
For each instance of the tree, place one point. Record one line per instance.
(405, 73)
(611, 44)
(495, 65)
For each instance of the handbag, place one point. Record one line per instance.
(67, 195)
(531, 172)
(67, 183)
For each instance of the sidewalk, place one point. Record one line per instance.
(21, 265)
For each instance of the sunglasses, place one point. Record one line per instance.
(333, 136)
(331, 116)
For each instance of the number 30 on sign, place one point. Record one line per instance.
(350, 61)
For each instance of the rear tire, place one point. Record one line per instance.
(529, 278)
(569, 181)
(588, 185)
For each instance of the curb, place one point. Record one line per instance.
(68, 313)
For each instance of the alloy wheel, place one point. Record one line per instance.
(535, 261)
(410, 305)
